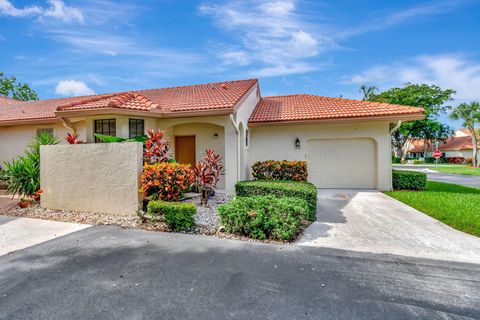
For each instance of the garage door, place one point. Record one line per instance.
(342, 163)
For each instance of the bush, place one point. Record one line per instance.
(280, 170)
(264, 217)
(418, 161)
(455, 159)
(409, 180)
(433, 160)
(179, 216)
(396, 159)
(302, 190)
(166, 181)
(469, 160)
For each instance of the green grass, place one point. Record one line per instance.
(458, 169)
(454, 205)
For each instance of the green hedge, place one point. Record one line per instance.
(264, 217)
(409, 180)
(179, 216)
(302, 190)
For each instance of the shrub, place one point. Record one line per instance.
(433, 160)
(418, 161)
(455, 159)
(157, 148)
(396, 159)
(179, 216)
(166, 181)
(280, 170)
(302, 190)
(409, 180)
(23, 174)
(264, 217)
(469, 160)
(207, 173)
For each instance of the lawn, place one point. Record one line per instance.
(455, 205)
(458, 169)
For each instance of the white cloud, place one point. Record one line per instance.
(73, 88)
(273, 34)
(236, 57)
(452, 71)
(282, 70)
(58, 10)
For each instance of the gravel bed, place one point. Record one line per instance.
(207, 219)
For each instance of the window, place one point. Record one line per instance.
(107, 127)
(44, 130)
(247, 133)
(136, 128)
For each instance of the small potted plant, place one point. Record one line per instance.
(24, 203)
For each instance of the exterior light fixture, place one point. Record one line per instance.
(297, 143)
(215, 136)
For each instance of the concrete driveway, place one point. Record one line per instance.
(371, 221)
(461, 179)
(19, 233)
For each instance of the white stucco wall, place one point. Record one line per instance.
(464, 153)
(14, 140)
(277, 142)
(100, 178)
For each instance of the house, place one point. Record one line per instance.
(346, 142)
(458, 146)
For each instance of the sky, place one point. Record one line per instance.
(64, 48)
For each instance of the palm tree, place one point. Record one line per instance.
(470, 114)
(368, 92)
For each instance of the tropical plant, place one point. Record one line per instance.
(157, 148)
(23, 173)
(470, 114)
(207, 173)
(166, 181)
(9, 87)
(368, 92)
(73, 138)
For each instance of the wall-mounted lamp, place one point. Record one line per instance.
(297, 143)
(215, 136)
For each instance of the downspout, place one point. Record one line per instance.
(68, 125)
(232, 119)
(395, 128)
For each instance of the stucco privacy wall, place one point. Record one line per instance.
(100, 177)
(277, 142)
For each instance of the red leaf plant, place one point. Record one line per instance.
(157, 148)
(166, 181)
(207, 173)
(73, 138)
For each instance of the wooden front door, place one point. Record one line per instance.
(185, 149)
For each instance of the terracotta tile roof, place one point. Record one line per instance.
(451, 144)
(303, 107)
(8, 101)
(202, 97)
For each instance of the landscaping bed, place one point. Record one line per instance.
(454, 205)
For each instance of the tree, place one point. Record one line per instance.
(431, 98)
(470, 114)
(368, 92)
(432, 131)
(9, 87)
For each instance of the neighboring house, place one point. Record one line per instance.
(345, 142)
(460, 145)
